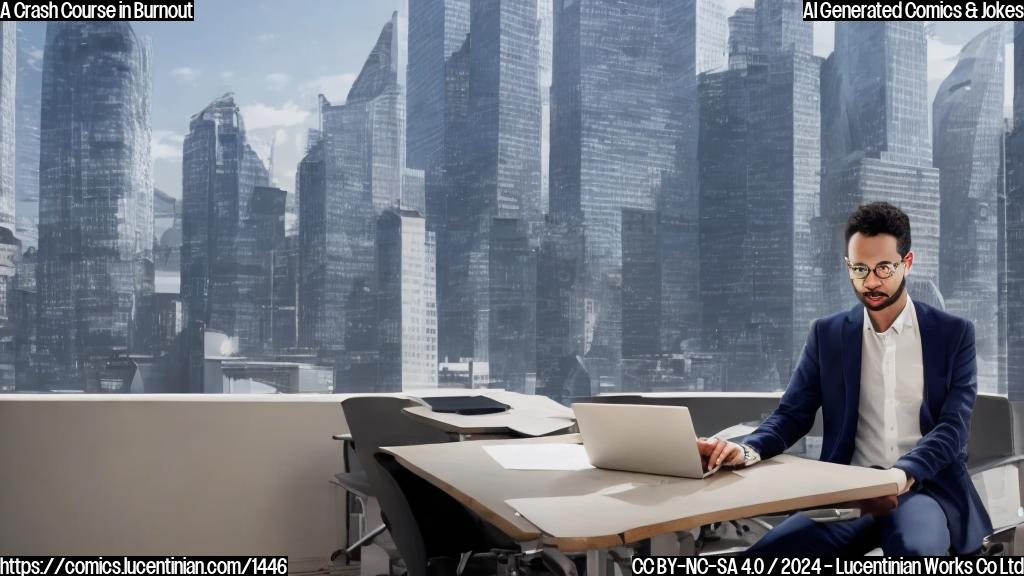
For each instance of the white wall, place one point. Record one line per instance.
(171, 475)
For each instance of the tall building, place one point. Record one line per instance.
(353, 172)
(560, 374)
(406, 302)
(759, 158)
(96, 198)
(967, 121)
(493, 173)
(26, 180)
(624, 122)
(10, 247)
(437, 30)
(220, 269)
(267, 221)
(876, 145)
(546, 37)
(1014, 232)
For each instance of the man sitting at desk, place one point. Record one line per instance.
(896, 384)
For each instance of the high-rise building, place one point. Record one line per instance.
(26, 180)
(876, 145)
(493, 172)
(759, 158)
(742, 37)
(10, 247)
(437, 30)
(1014, 231)
(967, 121)
(546, 37)
(220, 269)
(353, 172)
(641, 283)
(96, 198)
(267, 221)
(406, 302)
(623, 136)
(560, 373)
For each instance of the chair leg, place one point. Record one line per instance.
(366, 539)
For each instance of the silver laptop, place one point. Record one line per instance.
(640, 438)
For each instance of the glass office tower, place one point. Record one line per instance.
(96, 199)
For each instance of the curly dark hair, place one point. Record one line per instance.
(880, 218)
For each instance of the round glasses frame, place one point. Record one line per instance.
(883, 270)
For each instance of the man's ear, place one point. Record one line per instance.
(909, 259)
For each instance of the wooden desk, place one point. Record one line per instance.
(598, 509)
(528, 415)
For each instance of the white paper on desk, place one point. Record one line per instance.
(540, 456)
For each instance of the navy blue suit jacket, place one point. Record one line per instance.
(828, 376)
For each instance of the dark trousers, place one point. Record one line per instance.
(917, 527)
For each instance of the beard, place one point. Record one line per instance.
(889, 301)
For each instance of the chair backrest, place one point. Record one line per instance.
(991, 430)
(376, 421)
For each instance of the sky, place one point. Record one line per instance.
(277, 55)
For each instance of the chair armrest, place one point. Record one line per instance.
(992, 463)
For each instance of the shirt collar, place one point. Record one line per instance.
(904, 320)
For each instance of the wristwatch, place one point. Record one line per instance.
(750, 456)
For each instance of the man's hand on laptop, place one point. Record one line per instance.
(715, 452)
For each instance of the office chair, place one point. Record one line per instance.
(992, 446)
(357, 487)
(434, 533)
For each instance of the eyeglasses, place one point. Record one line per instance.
(882, 270)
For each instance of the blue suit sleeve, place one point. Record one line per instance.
(945, 442)
(793, 419)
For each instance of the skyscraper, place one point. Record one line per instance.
(494, 174)
(759, 156)
(875, 144)
(267, 222)
(968, 133)
(26, 181)
(437, 29)
(436, 101)
(219, 264)
(9, 245)
(623, 136)
(546, 37)
(406, 302)
(1014, 234)
(96, 198)
(351, 174)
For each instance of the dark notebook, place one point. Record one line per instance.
(468, 405)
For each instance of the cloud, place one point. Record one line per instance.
(258, 116)
(166, 145)
(227, 75)
(185, 74)
(278, 81)
(268, 38)
(34, 54)
(335, 87)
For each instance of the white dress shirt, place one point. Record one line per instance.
(891, 391)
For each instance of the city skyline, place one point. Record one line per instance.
(666, 180)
